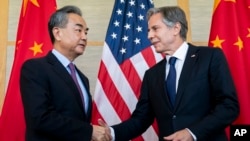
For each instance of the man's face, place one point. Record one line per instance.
(161, 36)
(73, 37)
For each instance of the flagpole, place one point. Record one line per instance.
(3, 47)
(184, 4)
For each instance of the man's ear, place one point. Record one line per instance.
(57, 33)
(177, 28)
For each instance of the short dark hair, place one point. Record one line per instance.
(60, 18)
(171, 15)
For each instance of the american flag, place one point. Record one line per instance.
(127, 53)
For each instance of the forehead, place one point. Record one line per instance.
(155, 18)
(76, 20)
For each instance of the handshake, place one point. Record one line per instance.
(101, 132)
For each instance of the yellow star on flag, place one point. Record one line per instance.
(216, 3)
(25, 3)
(231, 1)
(217, 42)
(248, 35)
(36, 48)
(18, 44)
(239, 43)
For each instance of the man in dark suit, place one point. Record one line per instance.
(58, 107)
(203, 102)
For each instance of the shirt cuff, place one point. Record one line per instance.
(193, 135)
(112, 132)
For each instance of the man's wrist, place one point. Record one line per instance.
(192, 134)
(112, 132)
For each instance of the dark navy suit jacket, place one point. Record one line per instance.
(52, 104)
(206, 100)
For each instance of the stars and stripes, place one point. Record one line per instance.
(127, 53)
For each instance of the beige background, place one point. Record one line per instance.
(97, 14)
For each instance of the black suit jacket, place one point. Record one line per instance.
(206, 99)
(52, 104)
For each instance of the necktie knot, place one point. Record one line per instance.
(73, 75)
(172, 60)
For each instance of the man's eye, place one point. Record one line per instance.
(155, 28)
(78, 30)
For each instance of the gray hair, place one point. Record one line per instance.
(171, 16)
(60, 18)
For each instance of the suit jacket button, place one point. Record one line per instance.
(174, 117)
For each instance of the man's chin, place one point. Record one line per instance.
(157, 50)
(79, 53)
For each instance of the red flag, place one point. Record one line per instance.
(32, 41)
(127, 53)
(230, 30)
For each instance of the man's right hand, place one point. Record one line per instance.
(101, 133)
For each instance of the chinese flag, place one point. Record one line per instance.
(32, 41)
(230, 30)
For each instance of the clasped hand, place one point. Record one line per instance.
(102, 132)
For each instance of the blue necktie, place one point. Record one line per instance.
(171, 80)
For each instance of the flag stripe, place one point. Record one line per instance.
(131, 75)
(149, 53)
(150, 134)
(139, 64)
(104, 105)
(112, 93)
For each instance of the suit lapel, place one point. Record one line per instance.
(161, 75)
(86, 85)
(60, 70)
(189, 64)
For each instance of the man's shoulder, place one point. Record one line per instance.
(158, 65)
(203, 48)
(37, 60)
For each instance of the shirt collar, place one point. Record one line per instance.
(65, 61)
(180, 53)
